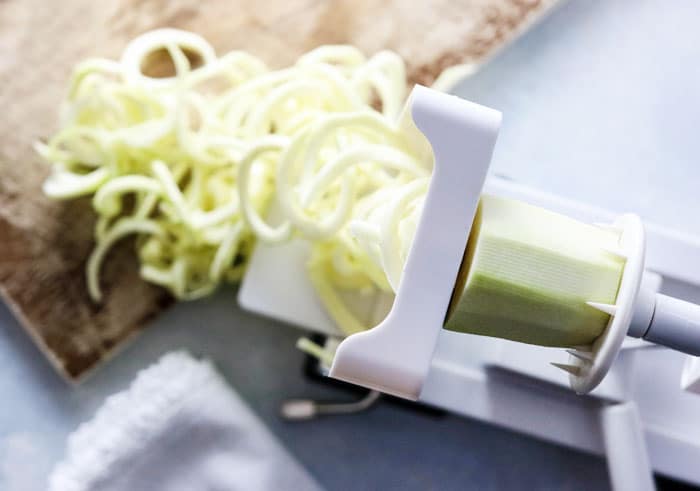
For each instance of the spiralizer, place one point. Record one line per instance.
(499, 267)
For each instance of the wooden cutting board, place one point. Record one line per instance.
(44, 244)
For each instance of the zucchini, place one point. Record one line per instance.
(528, 272)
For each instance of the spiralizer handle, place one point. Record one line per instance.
(675, 324)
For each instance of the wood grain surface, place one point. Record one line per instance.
(44, 244)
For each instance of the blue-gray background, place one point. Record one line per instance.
(601, 104)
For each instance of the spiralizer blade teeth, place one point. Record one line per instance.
(572, 369)
(583, 356)
(585, 348)
(603, 307)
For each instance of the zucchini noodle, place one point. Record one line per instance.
(190, 164)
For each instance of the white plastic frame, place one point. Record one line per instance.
(395, 356)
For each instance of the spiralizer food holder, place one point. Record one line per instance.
(395, 356)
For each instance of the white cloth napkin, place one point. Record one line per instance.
(178, 427)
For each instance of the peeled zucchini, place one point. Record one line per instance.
(527, 274)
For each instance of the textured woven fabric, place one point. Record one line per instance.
(178, 427)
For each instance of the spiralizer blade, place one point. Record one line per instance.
(394, 357)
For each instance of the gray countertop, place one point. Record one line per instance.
(595, 100)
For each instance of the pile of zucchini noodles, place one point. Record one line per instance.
(192, 163)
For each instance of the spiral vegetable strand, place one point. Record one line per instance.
(191, 164)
